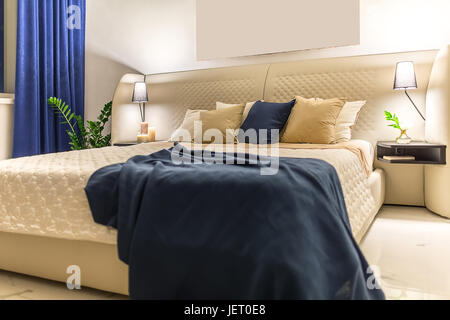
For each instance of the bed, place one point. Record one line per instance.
(53, 185)
(45, 221)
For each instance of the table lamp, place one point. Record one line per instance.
(140, 95)
(405, 79)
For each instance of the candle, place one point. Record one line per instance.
(144, 128)
(152, 134)
(142, 138)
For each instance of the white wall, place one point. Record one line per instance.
(156, 36)
(278, 26)
(10, 44)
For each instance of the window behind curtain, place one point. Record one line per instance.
(2, 46)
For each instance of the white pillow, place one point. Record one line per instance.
(248, 107)
(185, 133)
(347, 119)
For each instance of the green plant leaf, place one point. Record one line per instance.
(81, 136)
(65, 114)
(393, 118)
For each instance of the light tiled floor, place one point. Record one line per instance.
(19, 287)
(409, 246)
(411, 249)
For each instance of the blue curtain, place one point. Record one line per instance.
(50, 62)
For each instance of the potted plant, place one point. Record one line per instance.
(82, 137)
(403, 138)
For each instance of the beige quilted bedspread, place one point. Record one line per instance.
(44, 195)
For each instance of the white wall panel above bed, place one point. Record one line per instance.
(235, 28)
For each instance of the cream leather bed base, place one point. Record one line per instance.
(48, 258)
(101, 268)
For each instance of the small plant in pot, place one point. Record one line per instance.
(82, 137)
(403, 138)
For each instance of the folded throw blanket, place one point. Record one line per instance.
(202, 230)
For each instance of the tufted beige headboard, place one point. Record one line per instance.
(355, 78)
(172, 94)
(367, 78)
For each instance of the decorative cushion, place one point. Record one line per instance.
(224, 119)
(224, 122)
(313, 121)
(185, 133)
(222, 106)
(266, 116)
(347, 119)
(248, 107)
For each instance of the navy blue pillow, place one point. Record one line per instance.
(266, 115)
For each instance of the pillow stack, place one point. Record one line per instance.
(314, 121)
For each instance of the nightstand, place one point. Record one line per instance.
(405, 179)
(423, 152)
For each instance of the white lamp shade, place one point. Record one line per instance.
(140, 92)
(405, 76)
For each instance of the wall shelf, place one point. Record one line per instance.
(424, 153)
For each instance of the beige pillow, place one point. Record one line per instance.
(185, 133)
(221, 126)
(222, 106)
(312, 121)
(248, 107)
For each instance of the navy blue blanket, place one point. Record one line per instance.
(216, 231)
